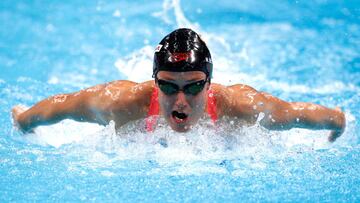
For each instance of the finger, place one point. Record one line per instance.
(16, 111)
(334, 135)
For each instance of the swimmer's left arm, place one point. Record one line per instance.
(245, 102)
(313, 116)
(281, 115)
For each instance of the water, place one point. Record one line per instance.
(295, 50)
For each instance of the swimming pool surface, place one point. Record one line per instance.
(296, 50)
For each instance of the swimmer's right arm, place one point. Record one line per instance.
(98, 104)
(53, 110)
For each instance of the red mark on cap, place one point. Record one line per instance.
(176, 57)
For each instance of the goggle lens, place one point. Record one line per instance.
(190, 89)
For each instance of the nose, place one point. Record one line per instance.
(181, 101)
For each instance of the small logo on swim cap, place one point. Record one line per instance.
(158, 48)
(208, 60)
(176, 57)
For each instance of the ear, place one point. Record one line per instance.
(208, 86)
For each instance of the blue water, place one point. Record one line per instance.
(296, 50)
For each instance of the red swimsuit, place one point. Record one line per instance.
(154, 109)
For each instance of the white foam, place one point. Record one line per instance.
(200, 140)
(138, 65)
(172, 7)
(64, 132)
(117, 13)
(202, 150)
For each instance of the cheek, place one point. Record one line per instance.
(198, 103)
(166, 102)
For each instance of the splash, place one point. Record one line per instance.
(203, 142)
(173, 7)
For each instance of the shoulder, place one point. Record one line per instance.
(120, 94)
(123, 88)
(238, 91)
(236, 100)
(128, 92)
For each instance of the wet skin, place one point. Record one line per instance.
(124, 101)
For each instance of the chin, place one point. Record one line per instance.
(180, 129)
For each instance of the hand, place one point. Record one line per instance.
(16, 112)
(341, 123)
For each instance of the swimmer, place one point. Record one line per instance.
(182, 93)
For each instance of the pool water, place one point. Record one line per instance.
(295, 50)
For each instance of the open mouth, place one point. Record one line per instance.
(179, 117)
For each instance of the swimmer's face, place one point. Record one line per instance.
(182, 109)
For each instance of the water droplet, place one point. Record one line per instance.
(116, 13)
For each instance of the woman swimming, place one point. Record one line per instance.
(181, 92)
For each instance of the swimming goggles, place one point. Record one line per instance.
(170, 88)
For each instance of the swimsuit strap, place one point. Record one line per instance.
(153, 112)
(211, 106)
(154, 109)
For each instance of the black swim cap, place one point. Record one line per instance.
(180, 51)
